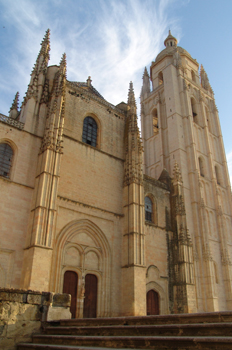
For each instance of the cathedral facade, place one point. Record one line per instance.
(127, 225)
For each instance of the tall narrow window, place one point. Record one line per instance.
(217, 173)
(160, 78)
(6, 155)
(89, 135)
(209, 123)
(194, 110)
(148, 209)
(201, 167)
(155, 121)
(193, 76)
(215, 272)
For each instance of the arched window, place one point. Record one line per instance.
(155, 121)
(201, 166)
(193, 76)
(160, 78)
(6, 155)
(89, 135)
(218, 177)
(148, 209)
(194, 110)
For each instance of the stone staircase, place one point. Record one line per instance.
(182, 331)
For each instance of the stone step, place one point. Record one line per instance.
(209, 317)
(33, 346)
(198, 329)
(136, 342)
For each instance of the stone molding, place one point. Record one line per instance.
(12, 122)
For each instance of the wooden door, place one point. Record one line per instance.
(70, 287)
(152, 303)
(90, 301)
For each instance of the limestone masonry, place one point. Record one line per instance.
(127, 225)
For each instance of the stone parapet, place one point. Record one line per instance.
(22, 311)
(11, 121)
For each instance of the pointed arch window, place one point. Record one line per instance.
(6, 156)
(148, 209)
(194, 110)
(218, 177)
(155, 121)
(201, 166)
(89, 135)
(193, 76)
(160, 78)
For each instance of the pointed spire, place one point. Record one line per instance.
(45, 43)
(145, 73)
(13, 112)
(61, 81)
(63, 62)
(41, 64)
(131, 96)
(146, 83)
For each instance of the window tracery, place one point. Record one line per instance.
(89, 135)
(6, 156)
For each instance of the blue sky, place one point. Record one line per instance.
(113, 40)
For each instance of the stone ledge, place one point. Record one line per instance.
(35, 297)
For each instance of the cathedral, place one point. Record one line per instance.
(128, 224)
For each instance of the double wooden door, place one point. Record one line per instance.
(152, 302)
(90, 301)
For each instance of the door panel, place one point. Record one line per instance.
(90, 301)
(70, 287)
(152, 303)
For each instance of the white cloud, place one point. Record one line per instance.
(109, 40)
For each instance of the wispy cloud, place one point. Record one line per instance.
(110, 40)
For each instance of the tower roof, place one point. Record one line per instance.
(171, 48)
(170, 40)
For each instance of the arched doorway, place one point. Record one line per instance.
(152, 302)
(90, 301)
(70, 287)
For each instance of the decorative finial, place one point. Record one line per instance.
(63, 60)
(13, 112)
(145, 73)
(170, 40)
(89, 81)
(131, 96)
(45, 42)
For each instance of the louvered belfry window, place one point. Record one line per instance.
(6, 155)
(89, 135)
(148, 209)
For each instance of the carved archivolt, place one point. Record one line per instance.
(158, 284)
(82, 247)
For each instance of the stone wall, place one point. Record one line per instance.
(22, 311)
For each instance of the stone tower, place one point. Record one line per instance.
(181, 133)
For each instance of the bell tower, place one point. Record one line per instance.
(180, 125)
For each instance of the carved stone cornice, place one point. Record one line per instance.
(12, 122)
